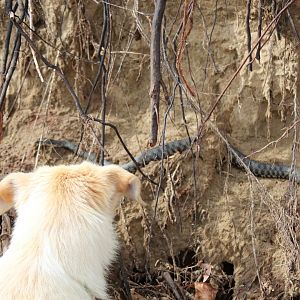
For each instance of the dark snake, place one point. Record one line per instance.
(238, 159)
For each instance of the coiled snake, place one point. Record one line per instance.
(238, 159)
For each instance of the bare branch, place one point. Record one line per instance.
(259, 27)
(11, 69)
(187, 25)
(155, 74)
(6, 47)
(249, 34)
(7, 71)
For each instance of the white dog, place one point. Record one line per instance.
(63, 240)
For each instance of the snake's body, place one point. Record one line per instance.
(265, 170)
(238, 159)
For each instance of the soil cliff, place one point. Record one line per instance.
(207, 214)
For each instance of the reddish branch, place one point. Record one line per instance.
(155, 75)
(187, 25)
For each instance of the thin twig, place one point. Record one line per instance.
(48, 90)
(208, 43)
(10, 71)
(162, 152)
(138, 22)
(103, 116)
(187, 25)
(101, 54)
(5, 51)
(103, 43)
(6, 44)
(124, 146)
(30, 12)
(248, 31)
(259, 27)
(275, 8)
(122, 7)
(104, 83)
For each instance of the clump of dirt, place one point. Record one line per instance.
(205, 211)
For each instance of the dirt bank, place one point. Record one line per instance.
(206, 211)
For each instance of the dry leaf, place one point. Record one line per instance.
(204, 291)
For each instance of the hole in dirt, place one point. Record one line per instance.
(227, 267)
(185, 258)
(297, 297)
(227, 291)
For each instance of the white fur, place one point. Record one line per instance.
(62, 243)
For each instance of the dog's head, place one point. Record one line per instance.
(85, 185)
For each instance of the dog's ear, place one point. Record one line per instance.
(127, 184)
(131, 186)
(8, 188)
